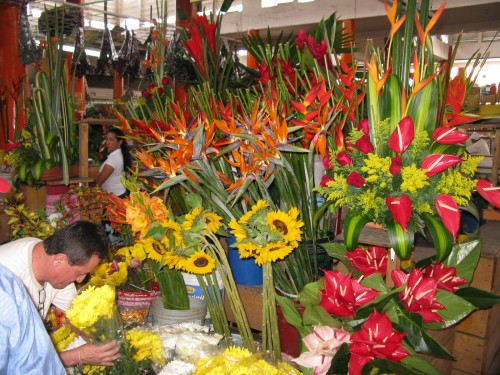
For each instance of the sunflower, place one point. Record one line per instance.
(238, 231)
(286, 224)
(198, 218)
(174, 261)
(173, 237)
(124, 254)
(272, 252)
(248, 250)
(154, 249)
(260, 205)
(199, 263)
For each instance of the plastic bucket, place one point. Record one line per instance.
(193, 286)
(245, 271)
(163, 316)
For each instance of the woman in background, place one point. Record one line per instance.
(118, 161)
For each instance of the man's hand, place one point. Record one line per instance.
(92, 354)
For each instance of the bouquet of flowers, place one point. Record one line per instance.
(353, 322)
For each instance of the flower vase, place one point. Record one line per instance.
(162, 316)
(134, 306)
(290, 340)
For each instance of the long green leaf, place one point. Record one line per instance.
(353, 224)
(423, 107)
(464, 257)
(455, 309)
(442, 238)
(478, 297)
(401, 241)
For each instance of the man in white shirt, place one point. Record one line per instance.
(479, 147)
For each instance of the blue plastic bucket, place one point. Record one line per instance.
(245, 271)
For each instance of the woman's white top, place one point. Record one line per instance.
(113, 183)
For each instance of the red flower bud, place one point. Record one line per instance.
(165, 81)
(402, 136)
(325, 180)
(395, 167)
(356, 180)
(449, 136)
(448, 210)
(343, 158)
(145, 93)
(160, 91)
(400, 209)
(363, 125)
(437, 163)
(364, 145)
(489, 192)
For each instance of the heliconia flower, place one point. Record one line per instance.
(402, 136)
(395, 167)
(446, 277)
(364, 145)
(489, 192)
(355, 179)
(343, 294)
(325, 180)
(449, 212)
(436, 163)
(368, 262)
(419, 295)
(449, 136)
(400, 209)
(376, 339)
(343, 158)
(363, 125)
(323, 342)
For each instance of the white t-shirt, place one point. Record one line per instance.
(17, 256)
(113, 183)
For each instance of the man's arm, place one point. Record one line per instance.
(91, 354)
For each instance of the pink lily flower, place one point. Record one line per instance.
(449, 136)
(343, 158)
(355, 179)
(395, 167)
(437, 163)
(368, 262)
(489, 192)
(449, 212)
(400, 209)
(402, 136)
(343, 295)
(323, 342)
(364, 145)
(419, 295)
(376, 339)
(446, 277)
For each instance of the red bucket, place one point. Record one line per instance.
(136, 299)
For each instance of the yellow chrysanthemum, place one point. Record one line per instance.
(376, 167)
(154, 249)
(90, 305)
(237, 230)
(199, 263)
(62, 337)
(286, 224)
(260, 205)
(93, 369)
(414, 178)
(147, 344)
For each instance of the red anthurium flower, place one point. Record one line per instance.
(400, 209)
(325, 180)
(376, 339)
(323, 342)
(364, 145)
(402, 136)
(368, 262)
(419, 295)
(363, 125)
(395, 167)
(489, 192)
(449, 212)
(436, 163)
(355, 179)
(343, 295)
(343, 158)
(446, 277)
(449, 136)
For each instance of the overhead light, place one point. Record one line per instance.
(88, 51)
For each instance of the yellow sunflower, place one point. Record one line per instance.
(248, 250)
(272, 252)
(173, 237)
(124, 253)
(260, 205)
(286, 224)
(154, 249)
(174, 261)
(238, 231)
(199, 263)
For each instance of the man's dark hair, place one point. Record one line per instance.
(78, 241)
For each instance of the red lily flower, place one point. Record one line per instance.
(402, 136)
(395, 167)
(400, 209)
(436, 163)
(343, 295)
(325, 180)
(376, 339)
(449, 212)
(368, 262)
(449, 136)
(355, 179)
(446, 277)
(419, 295)
(364, 145)
(489, 192)
(343, 159)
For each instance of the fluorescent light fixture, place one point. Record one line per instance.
(242, 52)
(36, 13)
(88, 51)
(171, 20)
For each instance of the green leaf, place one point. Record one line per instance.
(455, 309)
(194, 200)
(422, 364)
(385, 366)
(375, 281)
(478, 297)
(340, 361)
(464, 257)
(423, 108)
(353, 224)
(290, 311)
(338, 250)
(314, 315)
(310, 295)
(441, 237)
(401, 240)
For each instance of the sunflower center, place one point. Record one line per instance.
(280, 226)
(157, 247)
(201, 262)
